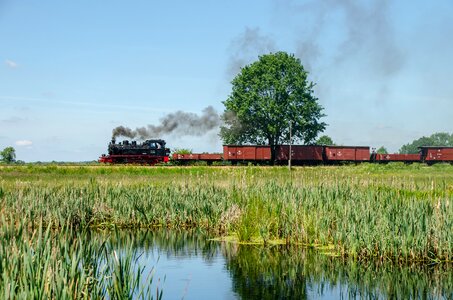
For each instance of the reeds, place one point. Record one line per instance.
(42, 263)
(368, 212)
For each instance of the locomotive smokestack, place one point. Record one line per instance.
(178, 123)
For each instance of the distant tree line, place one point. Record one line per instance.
(436, 139)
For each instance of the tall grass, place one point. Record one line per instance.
(41, 263)
(368, 212)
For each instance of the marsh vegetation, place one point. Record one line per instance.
(366, 213)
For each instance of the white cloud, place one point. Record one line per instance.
(24, 143)
(11, 64)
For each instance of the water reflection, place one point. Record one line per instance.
(281, 272)
(195, 267)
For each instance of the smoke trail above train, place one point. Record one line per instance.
(177, 123)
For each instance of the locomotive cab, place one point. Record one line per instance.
(157, 147)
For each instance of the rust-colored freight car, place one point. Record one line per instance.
(246, 153)
(346, 153)
(435, 154)
(300, 153)
(211, 156)
(187, 156)
(208, 157)
(397, 157)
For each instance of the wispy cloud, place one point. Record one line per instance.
(11, 64)
(48, 94)
(12, 120)
(83, 104)
(24, 143)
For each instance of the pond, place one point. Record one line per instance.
(189, 265)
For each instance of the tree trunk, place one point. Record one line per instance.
(273, 154)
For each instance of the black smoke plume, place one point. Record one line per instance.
(368, 31)
(247, 47)
(178, 123)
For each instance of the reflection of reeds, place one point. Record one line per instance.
(292, 272)
(393, 212)
(281, 272)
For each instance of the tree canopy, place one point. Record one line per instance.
(8, 155)
(382, 150)
(436, 139)
(324, 140)
(266, 96)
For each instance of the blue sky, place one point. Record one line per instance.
(72, 71)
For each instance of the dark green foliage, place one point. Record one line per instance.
(325, 140)
(267, 95)
(8, 155)
(436, 139)
(382, 150)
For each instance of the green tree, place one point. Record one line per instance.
(8, 155)
(436, 139)
(266, 96)
(382, 150)
(324, 140)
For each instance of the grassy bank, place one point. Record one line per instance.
(385, 212)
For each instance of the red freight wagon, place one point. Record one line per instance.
(191, 156)
(246, 153)
(300, 153)
(397, 157)
(197, 156)
(347, 153)
(210, 157)
(436, 154)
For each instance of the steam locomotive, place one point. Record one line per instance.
(149, 152)
(152, 152)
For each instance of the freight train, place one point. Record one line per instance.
(151, 152)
